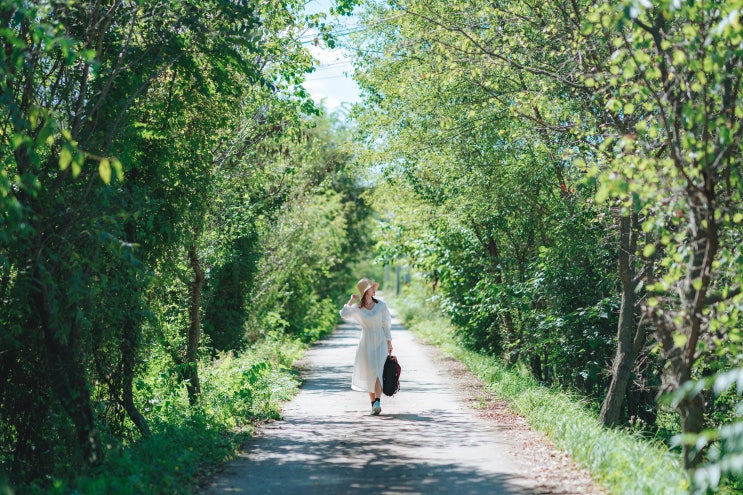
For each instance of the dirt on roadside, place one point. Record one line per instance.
(555, 471)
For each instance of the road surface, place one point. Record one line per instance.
(426, 441)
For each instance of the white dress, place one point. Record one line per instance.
(372, 350)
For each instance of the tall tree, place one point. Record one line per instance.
(681, 166)
(111, 119)
(635, 101)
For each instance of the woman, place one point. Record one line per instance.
(374, 317)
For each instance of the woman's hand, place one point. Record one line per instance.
(353, 299)
(389, 347)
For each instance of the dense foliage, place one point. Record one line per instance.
(567, 178)
(168, 196)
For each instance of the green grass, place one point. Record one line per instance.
(188, 444)
(623, 462)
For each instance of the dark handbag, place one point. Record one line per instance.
(391, 376)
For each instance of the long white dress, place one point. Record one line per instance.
(372, 350)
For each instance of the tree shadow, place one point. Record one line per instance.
(355, 464)
(332, 451)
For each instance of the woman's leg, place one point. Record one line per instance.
(375, 397)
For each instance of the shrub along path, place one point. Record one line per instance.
(428, 439)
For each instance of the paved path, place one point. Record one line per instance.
(426, 440)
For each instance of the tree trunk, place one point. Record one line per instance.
(627, 330)
(8, 360)
(494, 256)
(191, 373)
(66, 372)
(495, 260)
(536, 366)
(704, 245)
(128, 357)
(703, 232)
(692, 421)
(129, 347)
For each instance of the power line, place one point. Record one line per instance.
(350, 29)
(323, 78)
(333, 65)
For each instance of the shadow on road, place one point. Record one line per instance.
(339, 457)
(424, 442)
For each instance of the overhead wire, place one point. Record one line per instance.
(349, 29)
(325, 69)
(325, 78)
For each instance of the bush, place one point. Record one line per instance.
(188, 443)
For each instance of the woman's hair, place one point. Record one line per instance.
(361, 301)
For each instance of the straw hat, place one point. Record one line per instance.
(365, 284)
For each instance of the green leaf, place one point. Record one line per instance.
(65, 157)
(679, 339)
(648, 250)
(613, 105)
(17, 141)
(679, 57)
(104, 170)
(87, 55)
(118, 168)
(78, 160)
(602, 194)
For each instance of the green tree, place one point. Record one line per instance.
(681, 71)
(476, 131)
(312, 233)
(636, 102)
(111, 120)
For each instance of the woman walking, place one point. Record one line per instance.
(375, 320)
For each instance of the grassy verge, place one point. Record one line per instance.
(623, 462)
(188, 443)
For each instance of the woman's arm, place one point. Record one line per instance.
(349, 311)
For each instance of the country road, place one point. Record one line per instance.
(427, 439)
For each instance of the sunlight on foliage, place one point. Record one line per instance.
(623, 461)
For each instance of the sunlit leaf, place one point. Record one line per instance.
(65, 157)
(104, 170)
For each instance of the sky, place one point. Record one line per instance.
(331, 81)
